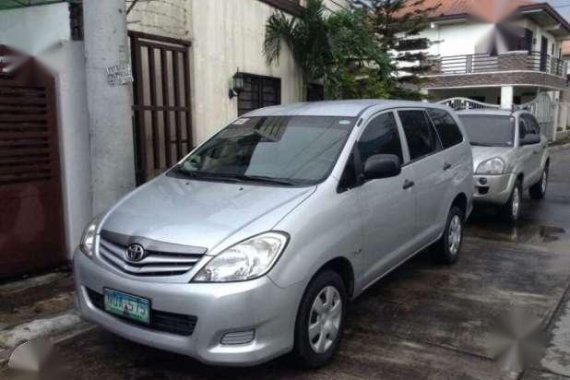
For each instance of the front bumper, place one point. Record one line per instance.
(495, 189)
(257, 305)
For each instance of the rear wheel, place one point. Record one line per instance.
(447, 249)
(511, 210)
(538, 190)
(320, 320)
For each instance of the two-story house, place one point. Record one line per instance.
(502, 52)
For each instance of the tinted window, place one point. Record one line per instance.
(489, 130)
(530, 124)
(380, 137)
(297, 149)
(446, 127)
(422, 138)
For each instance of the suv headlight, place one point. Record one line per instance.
(492, 166)
(250, 259)
(87, 244)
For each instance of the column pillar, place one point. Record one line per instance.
(109, 106)
(507, 95)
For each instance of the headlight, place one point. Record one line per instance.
(250, 259)
(492, 166)
(87, 245)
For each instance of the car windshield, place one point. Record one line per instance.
(281, 150)
(489, 130)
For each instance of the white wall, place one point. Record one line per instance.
(34, 29)
(67, 63)
(456, 39)
(227, 36)
(462, 38)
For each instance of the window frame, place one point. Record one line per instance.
(430, 123)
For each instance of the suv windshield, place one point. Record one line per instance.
(282, 150)
(489, 130)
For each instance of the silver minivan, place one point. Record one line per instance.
(255, 243)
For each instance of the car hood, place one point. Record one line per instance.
(201, 213)
(484, 153)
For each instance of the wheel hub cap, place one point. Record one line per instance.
(516, 203)
(324, 319)
(455, 234)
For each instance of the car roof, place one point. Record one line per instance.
(341, 108)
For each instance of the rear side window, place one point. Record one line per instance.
(422, 138)
(380, 137)
(530, 124)
(446, 127)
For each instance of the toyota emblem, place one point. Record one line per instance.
(135, 252)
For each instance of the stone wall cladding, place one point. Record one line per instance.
(497, 79)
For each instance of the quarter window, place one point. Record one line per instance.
(421, 137)
(446, 127)
(380, 137)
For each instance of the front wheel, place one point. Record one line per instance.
(538, 190)
(447, 249)
(511, 210)
(320, 320)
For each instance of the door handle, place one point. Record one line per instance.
(446, 166)
(408, 184)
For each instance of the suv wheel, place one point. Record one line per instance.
(447, 249)
(320, 320)
(511, 210)
(538, 190)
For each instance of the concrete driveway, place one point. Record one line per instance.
(424, 321)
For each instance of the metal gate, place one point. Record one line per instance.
(162, 102)
(542, 107)
(31, 215)
(467, 104)
(546, 111)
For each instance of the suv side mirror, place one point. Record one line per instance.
(530, 139)
(382, 166)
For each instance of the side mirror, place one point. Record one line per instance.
(530, 140)
(382, 166)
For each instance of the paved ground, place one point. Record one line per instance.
(422, 322)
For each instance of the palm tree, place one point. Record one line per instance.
(307, 36)
(339, 49)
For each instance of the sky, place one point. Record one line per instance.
(562, 6)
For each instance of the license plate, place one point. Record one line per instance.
(127, 306)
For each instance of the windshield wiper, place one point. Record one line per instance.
(231, 177)
(480, 144)
(194, 174)
(263, 179)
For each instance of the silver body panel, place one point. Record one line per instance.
(374, 227)
(526, 161)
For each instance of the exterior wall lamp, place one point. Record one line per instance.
(237, 86)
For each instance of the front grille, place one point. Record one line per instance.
(178, 324)
(161, 259)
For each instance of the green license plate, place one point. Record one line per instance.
(127, 306)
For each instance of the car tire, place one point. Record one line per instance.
(511, 210)
(321, 313)
(448, 247)
(538, 190)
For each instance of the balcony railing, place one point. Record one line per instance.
(511, 61)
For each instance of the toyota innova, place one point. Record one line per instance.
(254, 244)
